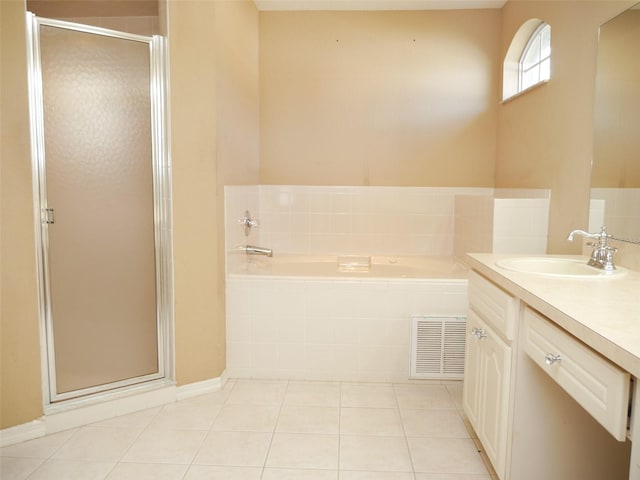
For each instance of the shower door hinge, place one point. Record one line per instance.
(48, 216)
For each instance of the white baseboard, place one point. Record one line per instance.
(73, 415)
(65, 419)
(22, 433)
(200, 388)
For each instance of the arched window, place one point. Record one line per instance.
(528, 59)
(535, 63)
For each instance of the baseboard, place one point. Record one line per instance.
(64, 417)
(22, 433)
(201, 388)
(59, 419)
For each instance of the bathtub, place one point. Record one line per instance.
(316, 318)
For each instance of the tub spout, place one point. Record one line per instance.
(253, 250)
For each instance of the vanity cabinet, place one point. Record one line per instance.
(490, 328)
(542, 403)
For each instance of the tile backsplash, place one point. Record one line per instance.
(520, 225)
(358, 220)
(388, 220)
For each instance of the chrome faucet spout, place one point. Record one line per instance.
(253, 250)
(583, 233)
(602, 254)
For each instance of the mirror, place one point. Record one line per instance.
(615, 182)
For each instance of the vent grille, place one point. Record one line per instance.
(437, 347)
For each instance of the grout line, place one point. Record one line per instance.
(46, 459)
(209, 430)
(56, 450)
(339, 424)
(275, 426)
(142, 430)
(404, 430)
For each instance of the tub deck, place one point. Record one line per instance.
(314, 266)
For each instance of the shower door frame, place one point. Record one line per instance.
(161, 173)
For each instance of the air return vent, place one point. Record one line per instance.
(437, 347)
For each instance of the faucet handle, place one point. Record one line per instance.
(608, 258)
(603, 236)
(248, 223)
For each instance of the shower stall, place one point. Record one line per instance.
(102, 199)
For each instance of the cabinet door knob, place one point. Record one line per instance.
(480, 333)
(551, 358)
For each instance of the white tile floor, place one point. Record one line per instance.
(268, 430)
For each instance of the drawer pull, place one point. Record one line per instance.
(480, 333)
(551, 358)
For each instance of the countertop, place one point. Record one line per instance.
(604, 313)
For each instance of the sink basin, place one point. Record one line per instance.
(555, 266)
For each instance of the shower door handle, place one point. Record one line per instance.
(49, 217)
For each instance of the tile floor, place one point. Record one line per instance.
(268, 430)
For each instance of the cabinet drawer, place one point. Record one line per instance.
(496, 307)
(599, 386)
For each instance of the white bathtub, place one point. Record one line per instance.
(302, 318)
(343, 267)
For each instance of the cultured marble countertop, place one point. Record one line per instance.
(604, 312)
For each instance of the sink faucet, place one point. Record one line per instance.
(602, 254)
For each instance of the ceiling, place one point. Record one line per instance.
(376, 4)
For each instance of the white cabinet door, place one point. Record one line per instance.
(495, 361)
(472, 380)
(486, 389)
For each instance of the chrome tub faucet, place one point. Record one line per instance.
(602, 254)
(253, 250)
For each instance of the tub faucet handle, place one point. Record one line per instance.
(248, 223)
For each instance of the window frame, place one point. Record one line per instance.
(536, 37)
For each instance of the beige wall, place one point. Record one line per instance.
(139, 17)
(199, 332)
(237, 91)
(94, 8)
(214, 133)
(20, 380)
(379, 98)
(238, 108)
(545, 137)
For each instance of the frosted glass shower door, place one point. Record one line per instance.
(99, 230)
